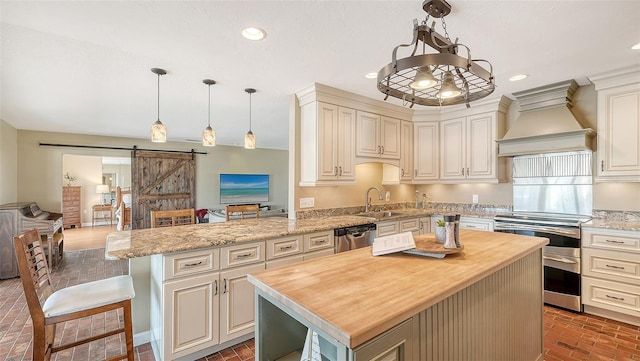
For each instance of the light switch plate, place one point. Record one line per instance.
(307, 202)
(475, 198)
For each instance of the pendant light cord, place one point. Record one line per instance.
(249, 111)
(209, 105)
(158, 96)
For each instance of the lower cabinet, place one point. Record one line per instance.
(398, 344)
(611, 274)
(237, 302)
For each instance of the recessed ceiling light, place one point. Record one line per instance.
(371, 75)
(636, 47)
(518, 77)
(252, 33)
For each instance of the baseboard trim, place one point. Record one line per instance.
(141, 338)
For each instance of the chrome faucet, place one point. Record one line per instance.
(367, 200)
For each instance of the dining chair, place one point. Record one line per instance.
(49, 308)
(242, 209)
(175, 217)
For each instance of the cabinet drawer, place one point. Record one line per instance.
(611, 239)
(242, 254)
(613, 265)
(318, 240)
(613, 296)
(409, 225)
(284, 261)
(283, 247)
(71, 209)
(387, 228)
(190, 263)
(318, 254)
(476, 224)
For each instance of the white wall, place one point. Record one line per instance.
(8, 163)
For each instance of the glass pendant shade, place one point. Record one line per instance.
(209, 137)
(249, 140)
(424, 79)
(158, 132)
(449, 88)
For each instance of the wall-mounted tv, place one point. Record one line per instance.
(244, 188)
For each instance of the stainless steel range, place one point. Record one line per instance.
(552, 197)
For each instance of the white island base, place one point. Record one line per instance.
(495, 316)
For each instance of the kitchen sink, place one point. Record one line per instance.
(380, 214)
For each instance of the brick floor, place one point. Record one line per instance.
(567, 336)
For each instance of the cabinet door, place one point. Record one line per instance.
(345, 144)
(237, 302)
(191, 314)
(327, 152)
(426, 157)
(481, 146)
(619, 133)
(453, 149)
(425, 225)
(406, 151)
(390, 138)
(396, 344)
(387, 228)
(368, 135)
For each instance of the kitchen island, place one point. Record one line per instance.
(484, 303)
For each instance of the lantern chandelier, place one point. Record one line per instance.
(435, 79)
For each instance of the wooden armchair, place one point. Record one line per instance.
(70, 303)
(242, 209)
(176, 217)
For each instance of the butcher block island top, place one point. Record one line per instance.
(147, 242)
(354, 296)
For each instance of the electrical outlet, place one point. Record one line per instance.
(475, 199)
(307, 202)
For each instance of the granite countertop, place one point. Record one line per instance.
(613, 224)
(146, 242)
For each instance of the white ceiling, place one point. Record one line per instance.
(84, 66)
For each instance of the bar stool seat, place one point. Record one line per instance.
(89, 295)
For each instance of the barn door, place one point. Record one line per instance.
(160, 181)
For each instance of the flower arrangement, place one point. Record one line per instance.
(440, 223)
(70, 179)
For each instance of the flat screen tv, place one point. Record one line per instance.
(244, 188)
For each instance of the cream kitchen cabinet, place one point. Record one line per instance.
(425, 225)
(327, 133)
(377, 136)
(404, 173)
(611, 273)
(426, 157)
(468, 150)
(185, 303)
(618, 155)
(237, 302)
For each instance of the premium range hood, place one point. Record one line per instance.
(546, 123)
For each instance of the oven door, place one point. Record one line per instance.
(562, 284)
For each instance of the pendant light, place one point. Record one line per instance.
(249, 138)
(209, 135)
(447, 76)
(158, 130)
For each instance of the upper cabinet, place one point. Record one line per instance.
(618, 154)
(327, 149)
(426, 157)
(377, 136)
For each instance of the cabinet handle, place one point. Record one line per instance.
(467, 172)
(421, 225)
(379, 150)
(340, 170)
(224, 291)
(286, 247)
(610, 241)
(415, 171)
(462, 171)
(615, 298)
(320, 242)
(402, 172)
(602, 165)
(616, 267)
(335, 171)
(244, 255)
(192, 264)
(215, 282)
(382, 149)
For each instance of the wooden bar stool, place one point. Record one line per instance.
(68, 303)
(174, 217)
(242, 209)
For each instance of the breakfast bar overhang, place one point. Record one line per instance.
(482, 304)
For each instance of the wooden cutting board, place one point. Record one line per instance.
(427, 243)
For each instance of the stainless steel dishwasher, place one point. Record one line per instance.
(353, 237)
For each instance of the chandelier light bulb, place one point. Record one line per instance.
(449, 88)
(424, 79)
